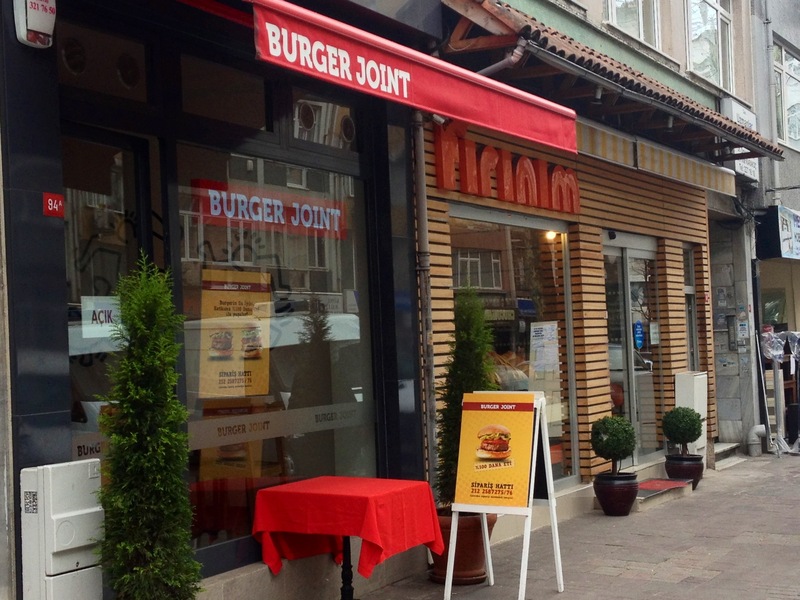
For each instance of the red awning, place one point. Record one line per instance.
(304, 41)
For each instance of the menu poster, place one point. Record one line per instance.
(232, 344)
(495, 451)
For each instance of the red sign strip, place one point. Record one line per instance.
(304, 41)
(501, 406)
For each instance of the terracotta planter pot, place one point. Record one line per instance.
(685, 466)
(470, 563)
(616, 493)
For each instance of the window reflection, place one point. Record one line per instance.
(318, 120)
(278, 360)
(519, 274)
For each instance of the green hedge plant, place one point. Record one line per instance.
(146, 551)
(469, 368)
(682, 425)
(614, 439)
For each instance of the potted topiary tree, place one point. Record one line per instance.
(469, 368)
(682, 426)
(614, 438)
(146, 550)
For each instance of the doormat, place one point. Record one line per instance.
(662, 484)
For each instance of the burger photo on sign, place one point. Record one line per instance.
(221, 344)
(251, 342)
(494, 442)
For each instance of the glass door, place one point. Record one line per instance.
(103, 183)
(634, 338)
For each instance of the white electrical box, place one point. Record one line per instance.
(61, 526)
(691, 389)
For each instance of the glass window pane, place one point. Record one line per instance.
(650, 22)
(779, 114)
(218, 92)
(725, 56)
(793, 111)
(792, 65)
(627, 13)
(99, 62)
(321, 121)
(705, 41)
(101, 245)
(522, 288)
(277, 339)
(777, 54)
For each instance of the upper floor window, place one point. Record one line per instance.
(477, 268)
(637, 18)
(710, 40)
(787, 96)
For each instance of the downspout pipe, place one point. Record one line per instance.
(424, 281)
(774, 171)
(511, 59)
(753, 441)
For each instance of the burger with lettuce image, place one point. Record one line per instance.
(251, 342)
(494, 442)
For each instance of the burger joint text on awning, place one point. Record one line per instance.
(307, 42)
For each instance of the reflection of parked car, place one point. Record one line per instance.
(508, 374)
(643, 373)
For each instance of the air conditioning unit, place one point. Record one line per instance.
(691, 389)
(61, 526)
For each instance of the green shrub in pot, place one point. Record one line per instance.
(682, 426)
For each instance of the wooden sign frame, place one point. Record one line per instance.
(540, 442)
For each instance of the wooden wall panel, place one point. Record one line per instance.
(612, 197)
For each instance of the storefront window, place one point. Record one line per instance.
(278, 373)
(322, 121)
(101, 245)
(520, 276)
(220, 92)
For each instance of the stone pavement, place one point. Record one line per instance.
(736, 536)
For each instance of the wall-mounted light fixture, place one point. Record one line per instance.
(598, 95)
(612, 235)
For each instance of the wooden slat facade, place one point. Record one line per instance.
(611, 197)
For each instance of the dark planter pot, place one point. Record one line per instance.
(616, 493)
(470, 563)
(685, 466)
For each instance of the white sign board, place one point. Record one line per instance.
(747, 167)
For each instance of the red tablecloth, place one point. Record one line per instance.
(309, 517)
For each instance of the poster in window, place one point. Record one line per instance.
(231, 343)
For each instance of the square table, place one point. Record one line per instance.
(318, 516)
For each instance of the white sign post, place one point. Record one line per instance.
(540, 437)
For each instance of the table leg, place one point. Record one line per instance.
(347, 570)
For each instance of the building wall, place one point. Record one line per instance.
(612, 197)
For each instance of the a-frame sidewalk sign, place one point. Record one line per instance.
(503, 439)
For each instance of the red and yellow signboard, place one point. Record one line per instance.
(494, 463)
(232, 345)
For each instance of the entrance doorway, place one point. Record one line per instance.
(105, 180)
(633, 343)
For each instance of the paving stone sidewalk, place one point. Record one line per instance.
(736, 536)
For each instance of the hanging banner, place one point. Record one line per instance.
(494, 461)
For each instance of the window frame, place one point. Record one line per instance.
(783, 74)
(611, 11)
(723, 16)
